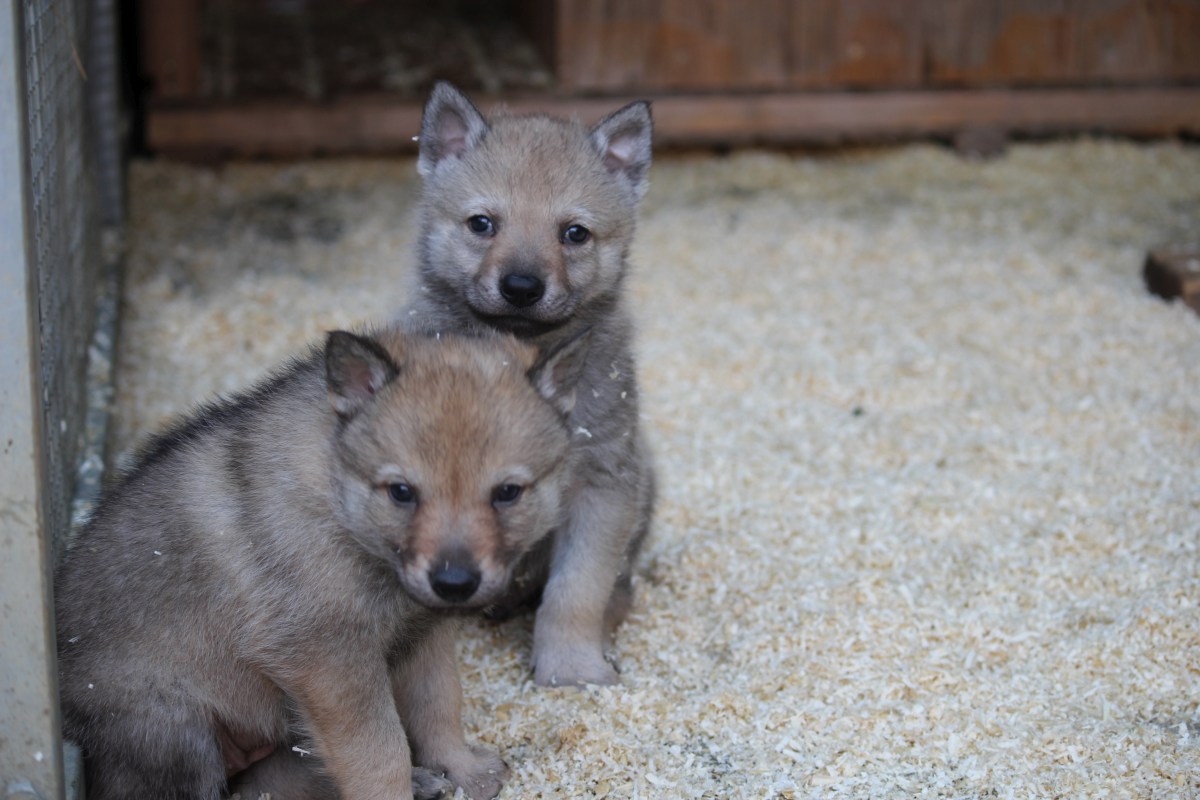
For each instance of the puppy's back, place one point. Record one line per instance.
(155, 576)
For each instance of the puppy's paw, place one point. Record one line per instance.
(480, 773)
(430, 785)
(573, 667)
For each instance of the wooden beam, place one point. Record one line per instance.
(170, 44)
(378, 124)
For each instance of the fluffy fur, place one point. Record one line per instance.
(269, 593)
(527, 223)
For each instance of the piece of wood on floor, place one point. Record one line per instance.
(981, 142)
(1174, 272)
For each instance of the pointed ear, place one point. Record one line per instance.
(623, 139)
(450, 126)
(559, 369)
(356, 368)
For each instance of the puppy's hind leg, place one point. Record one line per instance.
(288, 775)
(167, 757)
(284, 775)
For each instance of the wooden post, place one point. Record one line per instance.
(170, 40)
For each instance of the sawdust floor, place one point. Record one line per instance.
(930, 461)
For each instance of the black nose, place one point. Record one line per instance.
(522, 290)
(454, 583)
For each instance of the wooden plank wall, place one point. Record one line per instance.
(1062, 42)
(169, 38)
(743, 71)
(715, 45)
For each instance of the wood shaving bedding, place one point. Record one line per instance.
(929, 521)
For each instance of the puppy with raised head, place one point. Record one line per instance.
(269, 594)
(526, 227)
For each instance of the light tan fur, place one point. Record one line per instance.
(527, 222)
(256, 599)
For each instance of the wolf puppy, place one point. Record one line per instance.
(526, 227)
(281, 571)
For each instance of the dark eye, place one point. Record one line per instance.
(506, 494)
(576, 234)
(481, 225)
(402, 494)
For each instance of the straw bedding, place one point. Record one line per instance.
(930, 457)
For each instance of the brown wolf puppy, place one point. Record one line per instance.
(280, 573)
(527, 223)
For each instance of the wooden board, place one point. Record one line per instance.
(169, 39)
(325, 48)
(1048, 42)
(699, 45)
(380, 124)
(706, 45)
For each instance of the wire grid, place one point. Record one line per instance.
(64, 237)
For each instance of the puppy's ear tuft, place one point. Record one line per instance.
(450, 126)
(623, 139)
(558, 370)
(356, 368)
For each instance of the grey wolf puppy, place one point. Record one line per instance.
(280, 573)
(527, 223)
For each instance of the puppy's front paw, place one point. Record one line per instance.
(430, 785)
(573, 667)
(480, 773)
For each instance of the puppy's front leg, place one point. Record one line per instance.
(351, 716)
(429, 696)
(569, 633)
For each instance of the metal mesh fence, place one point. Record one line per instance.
(64, 234)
